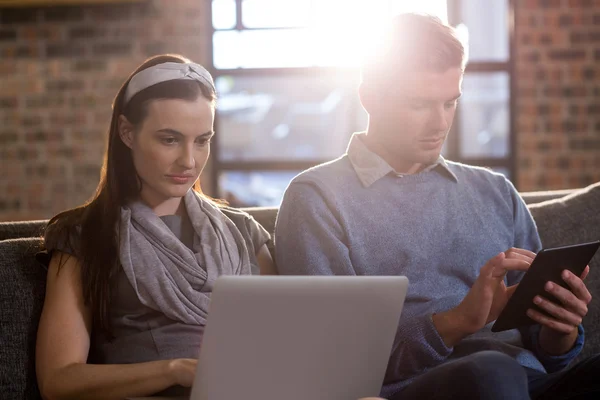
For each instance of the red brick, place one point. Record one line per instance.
(581, 3)
(7, 67)
(39, 32)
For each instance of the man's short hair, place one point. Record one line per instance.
(414, 42)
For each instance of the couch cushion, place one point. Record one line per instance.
(22, 289)
(570, 220)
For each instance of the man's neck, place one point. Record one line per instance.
(398, 164)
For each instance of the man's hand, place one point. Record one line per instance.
(503, 293)
(485, 300)
(559, 331)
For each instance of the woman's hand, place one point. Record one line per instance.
(182, 371)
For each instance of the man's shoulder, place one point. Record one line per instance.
(471, 174)
(321, 184)
(328, 174)
(482, 182)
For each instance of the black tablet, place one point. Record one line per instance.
(547, 266)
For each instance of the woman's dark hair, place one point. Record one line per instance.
(91, 230)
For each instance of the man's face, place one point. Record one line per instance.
(412, 116)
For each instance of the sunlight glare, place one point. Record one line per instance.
(307, 33)
(343, 31)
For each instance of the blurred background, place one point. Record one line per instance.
(286, 72)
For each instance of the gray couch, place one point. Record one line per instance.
(563, 218)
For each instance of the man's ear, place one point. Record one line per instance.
(126, 131)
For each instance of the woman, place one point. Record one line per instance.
(131, 271)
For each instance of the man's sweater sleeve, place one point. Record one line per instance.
(311, 239)
(525, 233)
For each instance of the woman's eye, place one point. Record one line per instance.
(169, 140)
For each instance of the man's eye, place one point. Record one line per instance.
(203, 141)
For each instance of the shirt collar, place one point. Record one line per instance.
(370, 167)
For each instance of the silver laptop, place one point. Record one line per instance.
(298, 337)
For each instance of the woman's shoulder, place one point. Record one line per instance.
(63, 232)
(241, 219)
(252, 231)
(235, 213)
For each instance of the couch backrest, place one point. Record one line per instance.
(538, 197)
(569, 220)
(22, 289)
(19, 229)
(264, 215)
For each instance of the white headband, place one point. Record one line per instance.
(166, 72)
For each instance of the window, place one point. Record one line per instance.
(279, 118)
(286, 72)
(482, 131)
(302, 33)
(483, 115)
(254, 188)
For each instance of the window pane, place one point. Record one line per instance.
(275, 13)
(286, 118)
(223, 14)
(331, 33)
(283, 48)
(484, 115)
(263, 49)
(254, 188)
(226, 49)
(439, 8)
(361, 15)
(487, 27)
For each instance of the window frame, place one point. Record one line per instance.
(453, 146)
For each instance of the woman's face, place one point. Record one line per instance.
(171, 147)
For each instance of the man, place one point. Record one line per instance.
(462, 235)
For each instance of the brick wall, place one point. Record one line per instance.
(558, 93)
(60, 68)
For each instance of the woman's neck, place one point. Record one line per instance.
(163, 206)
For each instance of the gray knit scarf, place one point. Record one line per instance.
(166, 275)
